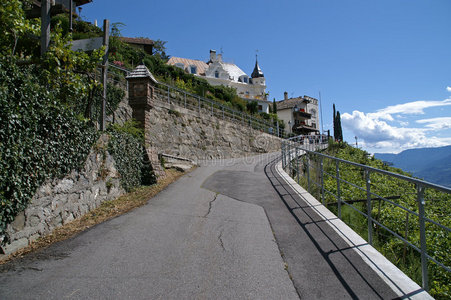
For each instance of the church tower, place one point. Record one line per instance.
(257, 75)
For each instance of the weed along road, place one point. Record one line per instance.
(222, 231)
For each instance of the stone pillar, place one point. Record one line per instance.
(141, 96)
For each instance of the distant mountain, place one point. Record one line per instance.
(431, 164)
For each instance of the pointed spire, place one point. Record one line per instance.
(257, 71)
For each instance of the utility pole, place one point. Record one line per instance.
(106, 37)
(356, 144)
(45, 25)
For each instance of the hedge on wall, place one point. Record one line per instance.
(126, 147)
(39, 139)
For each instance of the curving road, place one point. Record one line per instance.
(231, 229)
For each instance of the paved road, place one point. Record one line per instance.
(210, 235)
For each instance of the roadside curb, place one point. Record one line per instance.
(400, 283)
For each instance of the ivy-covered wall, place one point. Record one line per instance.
(39, 139)
(42, 142)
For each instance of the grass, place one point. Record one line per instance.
(107, 210)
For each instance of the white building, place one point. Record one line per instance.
(217, 72)
(299, 114)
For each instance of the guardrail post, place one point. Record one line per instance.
(424, 262)
(369, 206)
(297, 164)
(322, 180)
(337, 172)
(284, 164)
(308, 171)
(289, 158)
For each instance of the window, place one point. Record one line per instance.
(193, 69)
(245, 79)
(260, 108)
(216, 74)
(180, 65)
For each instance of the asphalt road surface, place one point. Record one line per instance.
(231, 229)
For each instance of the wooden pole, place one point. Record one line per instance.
(45, 25)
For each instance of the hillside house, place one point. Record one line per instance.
(144, 44)
(217, 72)
(299, 114)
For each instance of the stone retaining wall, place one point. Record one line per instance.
(182, 132)
(60, 201)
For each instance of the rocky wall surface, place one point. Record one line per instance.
(186, 133)
(60, 201)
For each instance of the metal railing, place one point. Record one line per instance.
(323, 177)
(176, 96)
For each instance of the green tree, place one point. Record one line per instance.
(159, 49)
(252, 107)
(17, 34)
(274, 106)
(338, 132)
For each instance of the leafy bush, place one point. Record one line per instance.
(40, 138)
(127, 148)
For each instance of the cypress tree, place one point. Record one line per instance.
(274, 106)
(335, 123)
(340, 131)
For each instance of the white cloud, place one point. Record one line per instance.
(375, 131)
(448, 88)
(410, 108)
(436, 123)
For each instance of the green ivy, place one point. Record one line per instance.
(126, 147)
(40, 139)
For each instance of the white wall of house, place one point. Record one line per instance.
(287, 116)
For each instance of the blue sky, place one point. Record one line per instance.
(386, 64)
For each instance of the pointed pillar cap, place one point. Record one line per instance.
(141, 71)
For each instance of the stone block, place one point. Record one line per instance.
(68, 217)
(15, 245)
(64, 186)
(34, 220)
(19, 222)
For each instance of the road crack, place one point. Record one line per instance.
(221, 242)
(210, 205)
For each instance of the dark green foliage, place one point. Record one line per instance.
(274, 106)
(126, 147)
(252, 107)
(40, 139)
(81, 29)
(338, 132)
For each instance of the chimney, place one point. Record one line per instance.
(285, 96)
(220, 57)
(212, 55)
